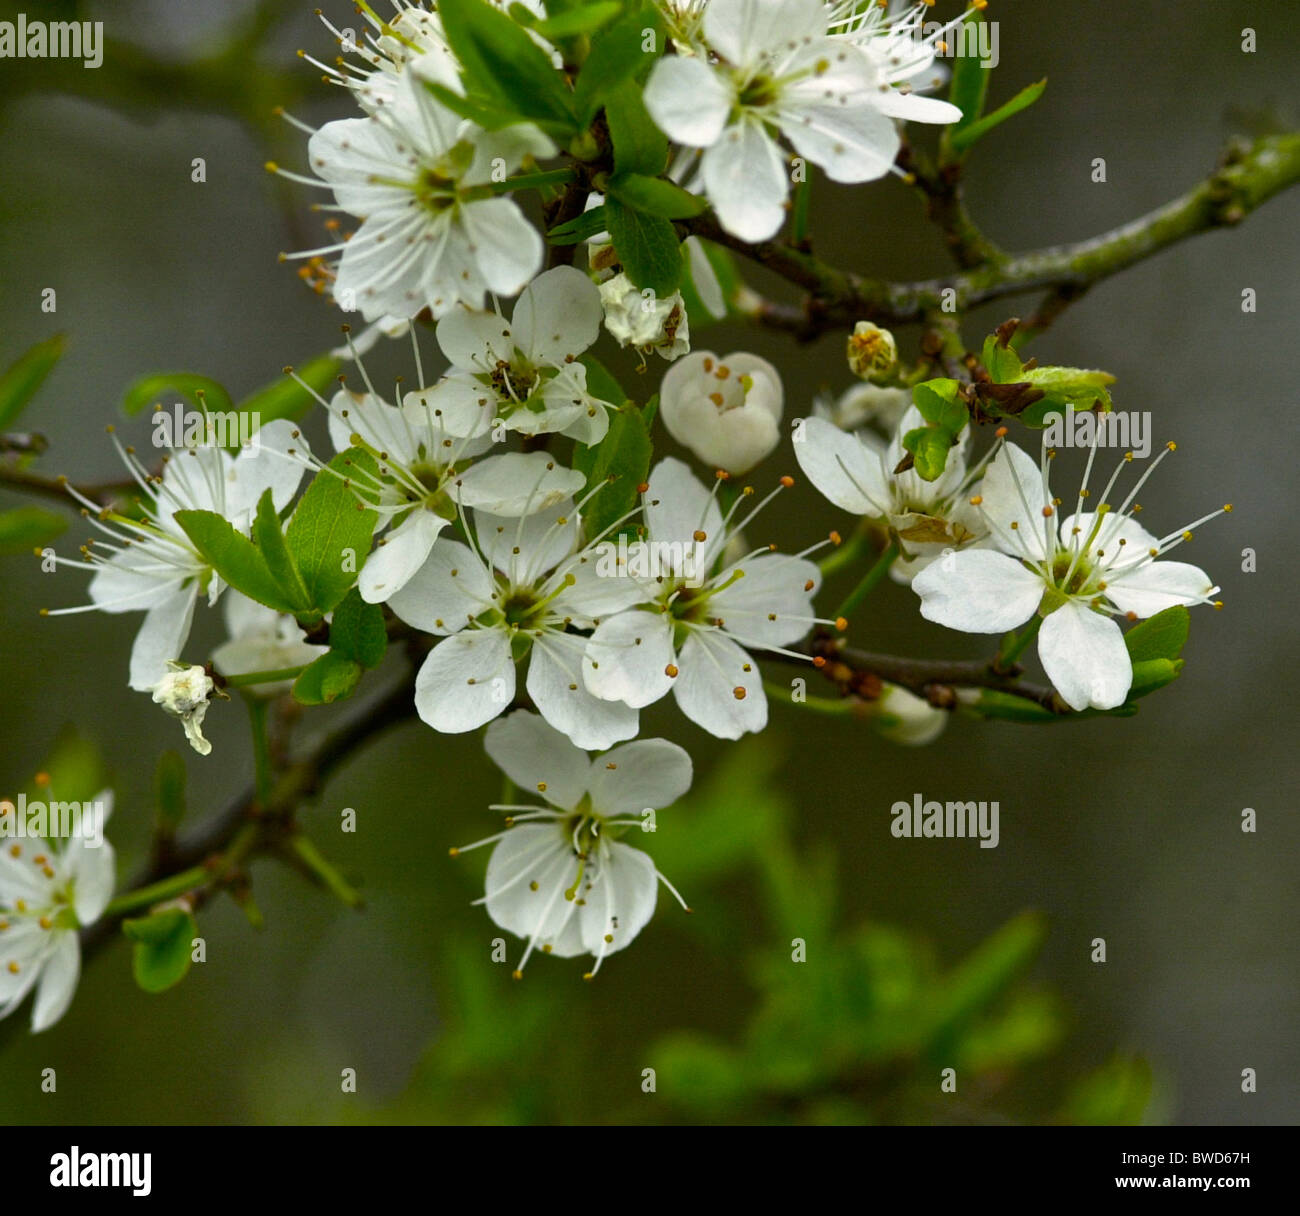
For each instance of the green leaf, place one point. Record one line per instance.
(1072, 383)
(624, 455)
(639, 146)
(1001, 361)
(233, 556)
(939, 404)
(1153, 674)
(169, 791)
(286, 398)
(930, 447)
(490, 115)
(25, 376)
(331, 530)
(618, 55)
(655, 196)
(966, 136)
(584, 20)
(26, 528)
(500, 61)
(164, 943)
(578, 229)
(601, 383)
(357, 630)
(268, 537)
(1162, 636)
(1116, 1095)
(970, 76)
(148, 390)
(328, 678)
(647, 247)
(1007, 707)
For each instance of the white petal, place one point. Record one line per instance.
(620, 901)
(506, 246)
(526, 547)
(265, 465)
(526, 879)
(627, 658)
(912, 107)
(96, 875)
(842, 467)
(467, 680)
(1084, 655)
(399, 555)
(745, 176)
(688, 101)
(978, 591)
(1157, 586)
(771, 603)
(712, 669)
(1013, 493)
(162, 637)
(538, 758)
(743, 30)
(474, 340)
(556, 686)
(677, 505)
(515, 483)
(650, 773)
(704, 277)
(557, 315)
(1111, 528)
(446, 593)
(58, 982)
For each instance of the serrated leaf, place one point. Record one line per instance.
(328, 525)
(26, 528)
(655, 196)
(639, 145)
(268, 537)
(617, 55)
(164, 943)
(233, 556)
(357, 630)
(647, 248)
(499, 60)
(964, 138)
(331, 677)
(149, 390)
(581, 228)
(26, 374)
(1162, 636)
(623, 455)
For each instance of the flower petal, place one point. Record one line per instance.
(842, 467)
(978, 591)
(58, 982)
(1013, 493)
(688, 101)
(556, 686)
(517, 483)
(771, 603)
(1159, 585)
(620, 898)
(162, 637)
(627, 658)
(1084, 655)
(557, 316)
(446, 593)
(650, 773)
(467, 680)
(745, 176)
(398, 555)
(538, 758)
(719, 687)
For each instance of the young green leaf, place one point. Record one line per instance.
(970, 74)
(655, 196)
(578, 229)
(939, 404)
(268, 537)
(585, 20)
(647, 247)
(25, 376)
(1162, 636)
(148, 390)
(930, 447)
(357, 630)
(966, 136)
(164, 944)
(623, 456)
(329, 535)
(26, 528)
(331, 677)
(233, 556)
(639, 145)
(618, 55)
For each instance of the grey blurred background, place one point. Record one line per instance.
(1127, 830)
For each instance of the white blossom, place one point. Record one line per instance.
(727, 411)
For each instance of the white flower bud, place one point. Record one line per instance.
(872, 351)
(185, 692)
(727, 411)
(863, 404)
(639, 318)
(903, 717)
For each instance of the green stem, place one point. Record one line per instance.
(1014, 644)
(251, 678)
(845, 708)
(869, 580)
(155, 893)
(262, 778)
(324, 870)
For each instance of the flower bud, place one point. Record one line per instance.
(872, 351)
(184, 692)
(863, 404)
(903, 717)
(727, 411)
(639, 318)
